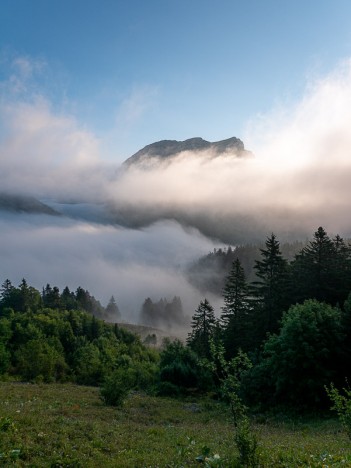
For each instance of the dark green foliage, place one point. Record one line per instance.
(203, 328)
(342, 405)
(346, 325)
(235, 293)
(270, 288)
(87, 363)
(322, 270)
(39, 360)
(230, 374)
(247, 445)
(88, 302)
(258, 383)
(179, 366)
(116, 387)
(302, 358)
(5, 330)
(53, 344)
(4, 359)
(51, 297)
(68, 300)
(342, 269)
(236, 317)
(23, 298)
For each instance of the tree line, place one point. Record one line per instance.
(293, 321)
(209, 272)
(54, 337)
(163, 313)
(26, 297)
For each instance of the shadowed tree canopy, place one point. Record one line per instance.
(322, 270)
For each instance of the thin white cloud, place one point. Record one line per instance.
(135, 106)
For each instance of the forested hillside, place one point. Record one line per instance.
(57, 336)
(208, 273)
(291, 326)
(293, 321)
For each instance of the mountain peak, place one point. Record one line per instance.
(170, 148)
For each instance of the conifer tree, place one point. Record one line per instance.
(203, 326)
(51, 297)
(235, 293)
(68, 299)
(112, 309)
(314, 269)
(236, 317)
(7, 292)
(270, 288)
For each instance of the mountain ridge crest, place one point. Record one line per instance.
(170, 148)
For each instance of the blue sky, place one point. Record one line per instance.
(137, 71)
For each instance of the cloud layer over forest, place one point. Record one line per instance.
(299, 179)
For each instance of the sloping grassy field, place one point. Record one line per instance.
(68, 426)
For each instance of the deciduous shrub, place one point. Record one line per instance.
(342, 405)
(116, 387)
(303, 357)
(179, 367)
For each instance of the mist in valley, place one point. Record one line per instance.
(132, 231)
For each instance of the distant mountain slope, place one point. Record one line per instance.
(24, 204)
(170, 148)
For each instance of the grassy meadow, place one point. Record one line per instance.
(65, 425)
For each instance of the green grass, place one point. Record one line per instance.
(67, 425)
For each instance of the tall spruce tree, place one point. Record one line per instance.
(269, 291)
(236, 315)
(315, 269)
(6, 292)
(203, 326)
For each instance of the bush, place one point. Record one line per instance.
(116, 387)
(303, 358)
(144, 375)
(342, 406)
(179, 366)
(38, 360)
(247, 445)
(169, 389)
(87, 364)
(4, 359)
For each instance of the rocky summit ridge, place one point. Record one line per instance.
(170, 148)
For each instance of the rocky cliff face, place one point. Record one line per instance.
(170, 148)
